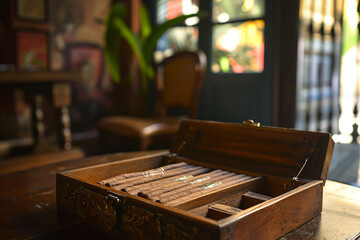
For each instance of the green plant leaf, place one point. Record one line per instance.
(112, 38)
(143, 48)
(136, 46)
(158, 31)
(145, 23)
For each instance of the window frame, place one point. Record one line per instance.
(205, 28)
(256, 90)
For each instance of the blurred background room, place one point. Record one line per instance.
(290, 64)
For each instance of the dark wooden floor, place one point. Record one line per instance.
(345, 164)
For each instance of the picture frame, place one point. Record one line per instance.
(87, 58)
(90, 102)
(32, 10)
(32, 50)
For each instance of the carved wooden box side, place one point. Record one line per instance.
(127, 217)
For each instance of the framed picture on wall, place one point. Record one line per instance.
(32, 50)
(90, 100)
(87, 58)
(32, 10)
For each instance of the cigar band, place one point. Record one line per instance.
(210, 185)
(199, 180)
(154, 172)
(182, 178)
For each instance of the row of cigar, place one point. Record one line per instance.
(174, 184)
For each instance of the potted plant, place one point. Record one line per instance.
(142, 44)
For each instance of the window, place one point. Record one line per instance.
(238, 47)
(237, 32)
(180, 37)
(237, 36)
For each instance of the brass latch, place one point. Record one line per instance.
(251, 123)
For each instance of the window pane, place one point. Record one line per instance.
(238, 47)
(169, 9)
(175, 39)
(227, 10)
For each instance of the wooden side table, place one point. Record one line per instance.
(38, 84)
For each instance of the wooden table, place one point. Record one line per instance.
(28, 205)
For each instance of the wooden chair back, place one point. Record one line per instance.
(179, 79)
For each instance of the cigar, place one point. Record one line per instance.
(109, 182)
(167, 196)
(146, 174)
(170, 173)
(151, 186)
(151, 193)
(193, 187)
(200, 187)
(169, 186)
(125, 183)
(205, 189)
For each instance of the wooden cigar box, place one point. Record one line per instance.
(288, 169)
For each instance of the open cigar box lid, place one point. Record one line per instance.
(253, 148)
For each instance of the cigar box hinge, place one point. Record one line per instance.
(186, 142)
(296, 178)
(178, 150)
